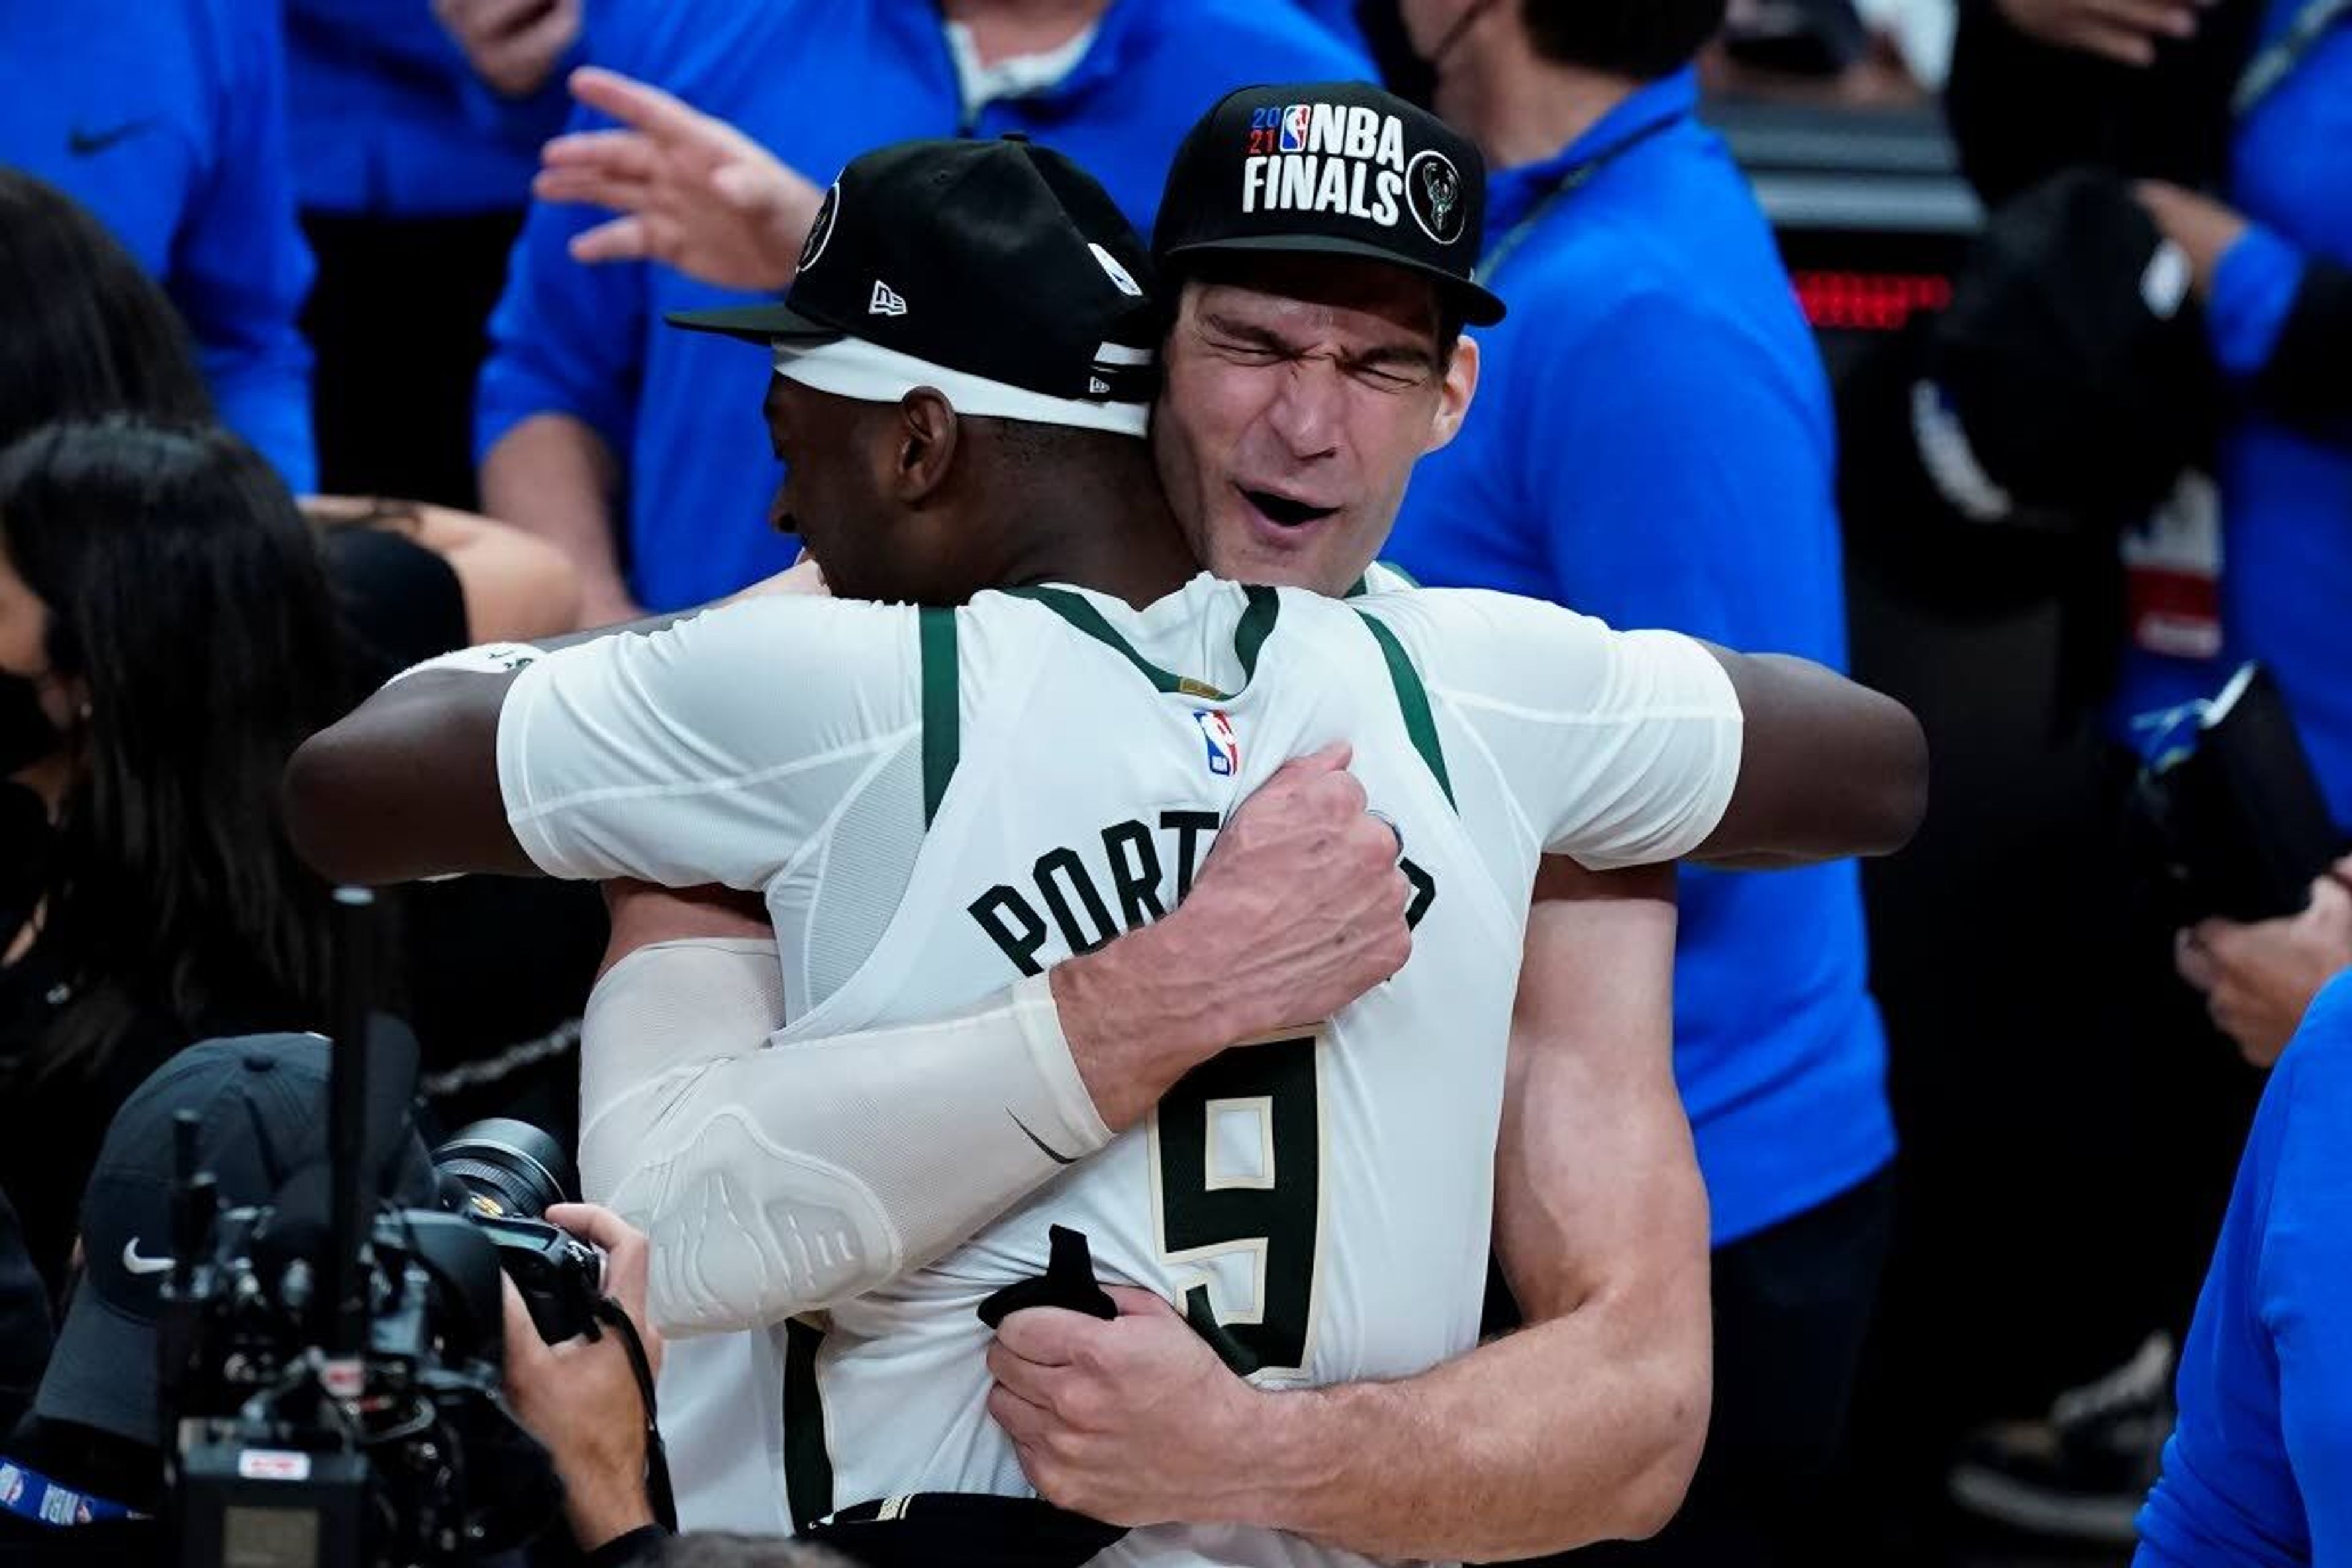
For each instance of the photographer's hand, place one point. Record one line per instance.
(580, 1398)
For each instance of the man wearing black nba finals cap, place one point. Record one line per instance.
(705, 802)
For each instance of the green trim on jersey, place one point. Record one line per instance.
(1256, 624)
(1413, 698)
(1363, 584)
(943, 719)
(808, 1462)
(1250, 633)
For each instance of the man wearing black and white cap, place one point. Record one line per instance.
(677, 757)
(81, 1476)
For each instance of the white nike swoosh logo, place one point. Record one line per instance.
(138, 1265)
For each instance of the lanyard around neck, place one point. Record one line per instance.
(27, 1494)
(2275, 64)
(1565, 184)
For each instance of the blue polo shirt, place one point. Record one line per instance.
(819, 81)
(390, 122)
(2259, 1469)
(1652, 443)
(166, 118)
(1339, 16)
(2287, 496)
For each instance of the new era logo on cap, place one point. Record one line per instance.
(885, 302)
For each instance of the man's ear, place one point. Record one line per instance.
(929, 436)
(1455, 392)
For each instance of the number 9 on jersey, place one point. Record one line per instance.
(1237, 1182)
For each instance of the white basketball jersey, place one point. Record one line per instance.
(973, 796)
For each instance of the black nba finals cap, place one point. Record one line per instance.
(1335, 168)
(261, 1104)
(998, 272)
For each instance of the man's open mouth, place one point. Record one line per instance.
(1285, 513)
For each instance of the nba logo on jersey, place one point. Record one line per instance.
(1224, 746)
(1293, 128)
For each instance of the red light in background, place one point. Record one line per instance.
(1869, 301)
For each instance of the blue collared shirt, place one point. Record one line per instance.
(166, 118)
(1652, 443)
(2259, 1469)
(819, 81)
(389, 120)
(2287, 496)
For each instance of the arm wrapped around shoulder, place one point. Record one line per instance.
(777, 1179)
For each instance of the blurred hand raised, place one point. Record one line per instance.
(692, 190)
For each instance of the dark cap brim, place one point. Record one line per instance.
(102, 1373)
(774, 322)
(1479, 308)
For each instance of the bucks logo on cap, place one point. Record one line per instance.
(821, 230)
(1432, 191)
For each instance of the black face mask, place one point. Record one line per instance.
(1403, 71)
(26, 733)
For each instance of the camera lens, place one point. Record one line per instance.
(506, 1167)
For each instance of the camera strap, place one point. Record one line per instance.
(1565, 184)
(658, 1492)
(28, 1494)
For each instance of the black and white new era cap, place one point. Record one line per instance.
(998, 272)
(1336, 168)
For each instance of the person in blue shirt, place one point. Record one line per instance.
(592, 423)
(2278, 237)
(2236, 118)
(166, 118)
(1659, 450)
(2258, 1471)
(412, 175)
(1344, 18)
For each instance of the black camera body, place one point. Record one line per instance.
(403, 1453)
(284, 1457)
(502, 1176)
(328, 1365)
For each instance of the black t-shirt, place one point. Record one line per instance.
(25, 1332)
(400, 603)
(51, 1124)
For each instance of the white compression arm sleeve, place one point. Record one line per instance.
(775, 1180)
